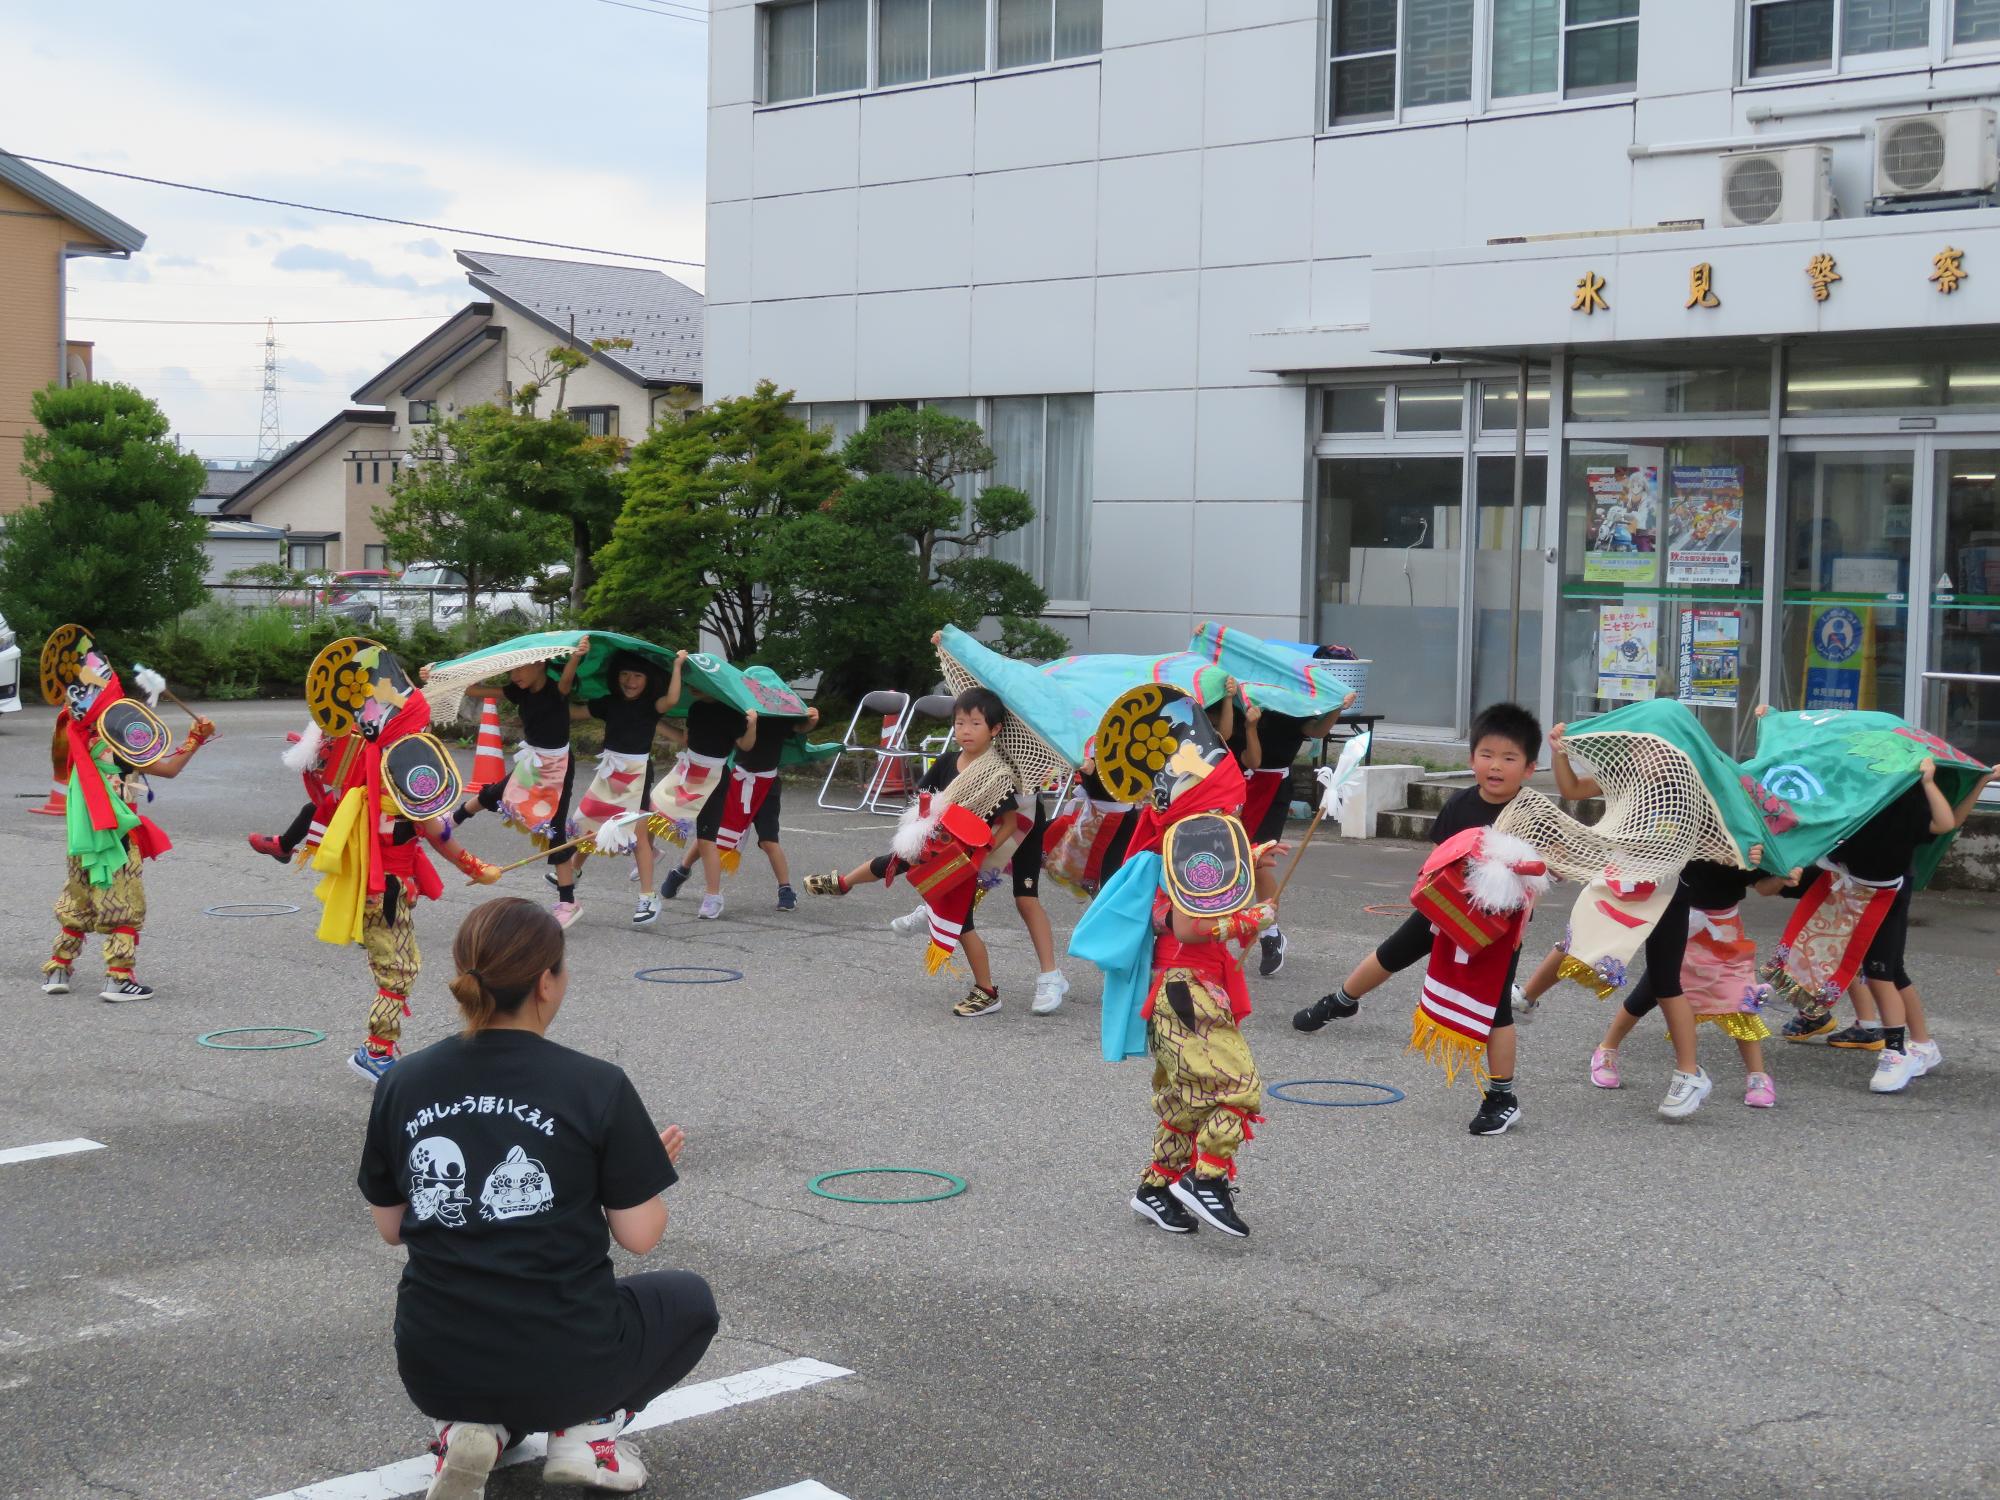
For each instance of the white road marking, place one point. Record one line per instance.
(805, 1489)
(47, 1148)
(159, 1311)
(411, 1475)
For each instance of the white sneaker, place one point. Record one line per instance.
(56, 981)
(1927, 1057)
(711, 908)
(565, 913)
(593, 1455)
(911, 923)
(1524, 1008)
(1893, 1072)
(1049, 991)
(1685, 1093)
(466, 1453)
(648, 911)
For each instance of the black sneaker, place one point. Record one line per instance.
(1857, 1038)
(1326, 1008)
(1496, 1113)
(1804, 1026)
(1272, 947)
(1208, 1199)
(676, 878)
(1160, 1205)
(788, 899)
(117, 992)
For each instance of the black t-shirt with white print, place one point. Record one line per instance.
(506, 1149)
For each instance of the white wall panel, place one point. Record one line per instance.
(1148, 331)
(1420, 172)
(1141, 556)
(1033, 337)
(1249, 558)
(1152, 98)
(729, 129)
(1340, 292)
(1149, 212)
(1128, 23)
(732, 56)
(1238, 303)
(1250, 443)
(805, 346)
(1238, 15)
(913, 344)
(1502, 199)
(1143, 446)
(1257, 203)
(725, 361)
(803, 246)
(1139, 634)
(1686, 46)
(916, 133)
(1035, 225)
(916, 234)
(807, 147)
(1036, 119)
(1262, 85)
(728, 253)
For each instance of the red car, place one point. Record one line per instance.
(342, 585)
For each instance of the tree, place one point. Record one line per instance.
(115, 542)
(860, 585)
(706, 500)
(444, 507)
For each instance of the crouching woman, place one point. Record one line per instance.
(505, 1164)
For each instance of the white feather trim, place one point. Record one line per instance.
(300, 757)
(151, 683)
(913, 831)
(1491, 879)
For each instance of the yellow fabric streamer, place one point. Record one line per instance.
(1740, 1025)
(1444, 1048)
(343, 860)
(730, 858)
(1582, 973)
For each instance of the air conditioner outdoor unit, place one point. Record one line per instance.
(1789, 185)
(1945, 151)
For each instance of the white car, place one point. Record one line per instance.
(10, 669)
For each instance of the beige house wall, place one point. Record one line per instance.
(314, 499)
(31, 345)
(363, 493)
(525, 344)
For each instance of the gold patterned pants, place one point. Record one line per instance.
(393, 959)
(117, 910)
(1205, 1084)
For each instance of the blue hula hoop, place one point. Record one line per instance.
(1277, 1091)
(661, 976)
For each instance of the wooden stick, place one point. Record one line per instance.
(545, 853)
(1299, 854)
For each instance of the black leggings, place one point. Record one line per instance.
(289, 839)
(667, 1318)
(1889, 947)
(1411, 944)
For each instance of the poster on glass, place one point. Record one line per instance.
(1711, 657)
(1624, 524)
(1705, 524)
(1628, 651)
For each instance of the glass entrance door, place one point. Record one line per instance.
(1961, 686)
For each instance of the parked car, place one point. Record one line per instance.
(10, 669)
(345, 584)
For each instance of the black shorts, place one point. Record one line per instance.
(708, 822)
(1028, 857)
(1888, 948)
(1411, 944)
(1666, 946)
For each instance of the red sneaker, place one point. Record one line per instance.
(264, 843)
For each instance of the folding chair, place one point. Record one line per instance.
(889, 704)
(935, 707)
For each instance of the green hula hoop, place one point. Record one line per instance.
(957, 1185)
(311, 1038)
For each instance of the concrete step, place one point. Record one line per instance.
(1413, 822)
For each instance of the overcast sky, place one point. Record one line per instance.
(570, 120)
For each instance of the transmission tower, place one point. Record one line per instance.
(267, 427)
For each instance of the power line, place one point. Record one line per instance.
(350, 213)
(260, 322)
(647, 10)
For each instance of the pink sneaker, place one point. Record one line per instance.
(566, 912)
(1759, 1092)
(1604, 1068)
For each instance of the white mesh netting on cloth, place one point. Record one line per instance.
(1032, 764)
(1658, 814)
(447, 685)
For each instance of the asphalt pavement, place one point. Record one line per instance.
(1786, 1302)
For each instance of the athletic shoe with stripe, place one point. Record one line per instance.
(1498, 1113)
(1209, 1199)
(119, 991)
(595, 1455)
(1159, 1205)
(1857, 1038)
(56, 981)
(466, 1453)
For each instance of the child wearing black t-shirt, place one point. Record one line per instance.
(1280, 738)
(630, 713)
(1506, 741)
(758, 754)
(505, 1165)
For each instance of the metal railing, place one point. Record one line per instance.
(370, 604)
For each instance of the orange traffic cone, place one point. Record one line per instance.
(488, 764)
(58, 804)
(893, 782)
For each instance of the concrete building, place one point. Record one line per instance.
(43, 226)
(323, 493)
(1273, 268)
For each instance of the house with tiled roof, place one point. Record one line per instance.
(324, 492)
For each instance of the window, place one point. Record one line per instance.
(306, 557)
(375, 467)
(1708, 380)
(423, 411)
(1039, 31)
(1430, 408)
(1355, 409)
(1815, 36)
(358, 470)
(1496, 406)
(600, 421)
(815, 47)
(375, 555)
(1043, 445)
(1392, 58)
